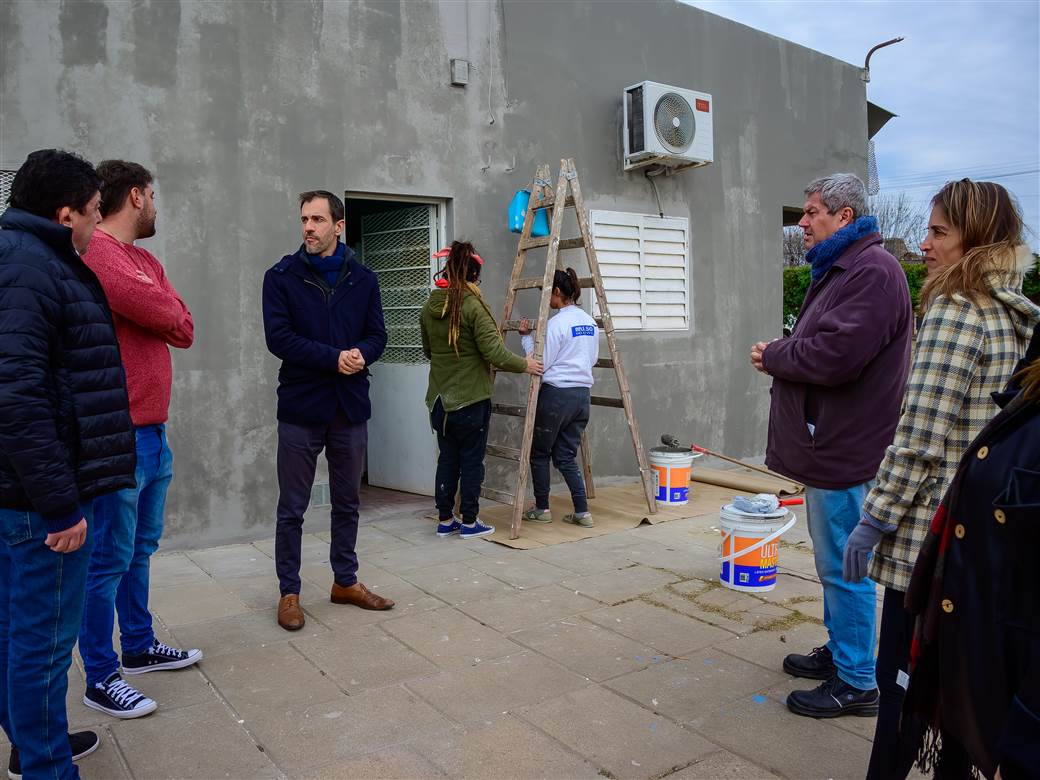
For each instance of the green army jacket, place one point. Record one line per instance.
(463, 379)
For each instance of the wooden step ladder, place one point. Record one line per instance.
(567, 195)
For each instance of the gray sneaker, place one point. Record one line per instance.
(584, 519)
(537, 515)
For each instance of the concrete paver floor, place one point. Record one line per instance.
(617, 656)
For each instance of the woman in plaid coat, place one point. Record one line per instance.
(976, 327)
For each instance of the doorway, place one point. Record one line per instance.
(396, 237)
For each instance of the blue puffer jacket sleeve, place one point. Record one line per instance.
(29, 310)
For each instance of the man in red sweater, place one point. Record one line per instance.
(149, 317)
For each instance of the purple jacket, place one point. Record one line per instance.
(844, 369)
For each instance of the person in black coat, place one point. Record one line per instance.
(975, 660)
(65, 438)
(323, 318)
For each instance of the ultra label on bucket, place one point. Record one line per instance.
(756, 569)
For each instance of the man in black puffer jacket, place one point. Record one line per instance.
(65, 437)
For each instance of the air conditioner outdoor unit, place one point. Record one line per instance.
(667, 126)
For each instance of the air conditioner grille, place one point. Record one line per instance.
(674, 122)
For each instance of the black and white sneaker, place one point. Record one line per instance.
(82, 743)
(160, 657)
(118, 698)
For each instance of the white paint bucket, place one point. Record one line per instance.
(750, 549)
(672, 467)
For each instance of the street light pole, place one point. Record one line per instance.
(865, 73)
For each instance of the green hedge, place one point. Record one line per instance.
(796, 284)
(1031, 284)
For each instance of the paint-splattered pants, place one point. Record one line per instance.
(461, 438)
(563, 413)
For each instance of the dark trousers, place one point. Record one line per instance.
(563, 413)
(344, 443)
(889, 759)
(897, 632)
(461, 438)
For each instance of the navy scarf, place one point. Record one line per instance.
(330, 266)
(823, 255)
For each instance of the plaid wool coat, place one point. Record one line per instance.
(965, 351)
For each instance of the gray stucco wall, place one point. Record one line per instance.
(238, 106)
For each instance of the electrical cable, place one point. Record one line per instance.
(491, 58)
(652, 178)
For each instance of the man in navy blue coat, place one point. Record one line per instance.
(323, 318)
(65, 438)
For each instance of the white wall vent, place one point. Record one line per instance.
(667, 126)
(645, 264)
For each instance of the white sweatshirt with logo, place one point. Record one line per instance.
(571, 348)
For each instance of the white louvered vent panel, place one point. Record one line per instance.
(645, 264)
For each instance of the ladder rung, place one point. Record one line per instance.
(509, 410)
(497, 495)
(549, 202)
(535, 282)
(565, 243)
(601, 400)
(511, 325)
(515, 325)
(603, 363)
(510, 453)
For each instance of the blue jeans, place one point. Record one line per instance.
(41, 604)
(127, 528)
(849, 609)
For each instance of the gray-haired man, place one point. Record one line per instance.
(838, 383)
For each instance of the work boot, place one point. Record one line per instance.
(290, 616)
(818, 665)
(832, 699)
(358, 595)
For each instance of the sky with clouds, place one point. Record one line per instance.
(965, 84)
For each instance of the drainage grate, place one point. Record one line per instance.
(320, 496)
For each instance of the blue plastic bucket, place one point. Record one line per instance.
(518, 212)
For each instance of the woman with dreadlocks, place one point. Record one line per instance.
(462, 341)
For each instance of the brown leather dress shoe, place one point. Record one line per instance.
(290, 616)
(360, 596)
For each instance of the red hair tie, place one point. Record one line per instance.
(447, 251)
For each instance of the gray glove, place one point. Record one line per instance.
(857, 551)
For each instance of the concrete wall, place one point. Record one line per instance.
(237, 106)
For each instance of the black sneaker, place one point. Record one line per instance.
(160, 657)
(82, 743)
(818, 665)
(832, 699)
(118, 698)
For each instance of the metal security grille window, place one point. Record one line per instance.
(397, 245)
(6, 178)
(644, 261)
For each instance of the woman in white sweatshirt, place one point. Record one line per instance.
(571, 348)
